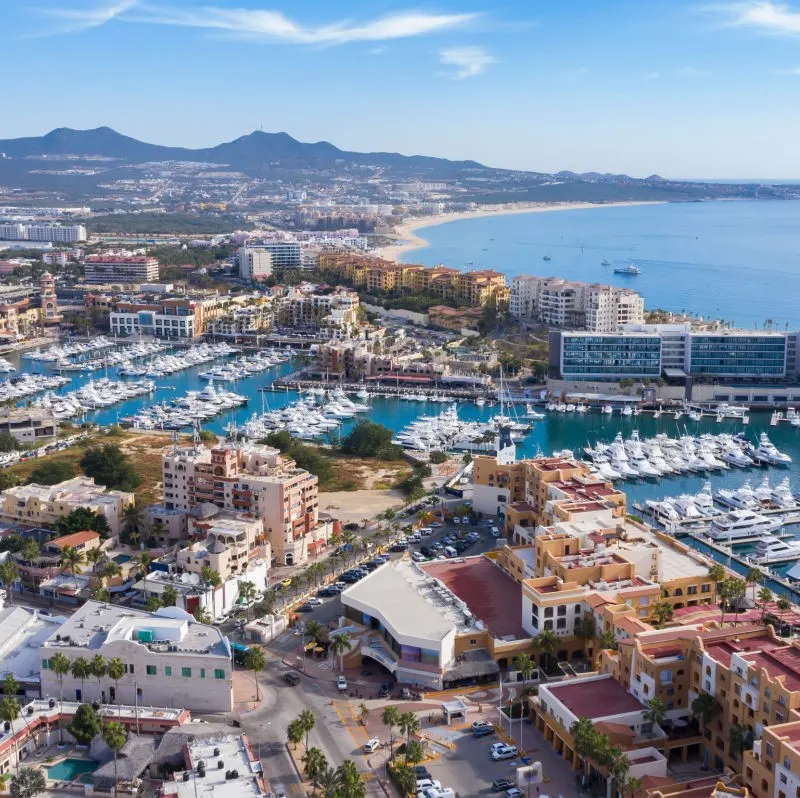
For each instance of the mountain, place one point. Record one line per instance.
(252, 152)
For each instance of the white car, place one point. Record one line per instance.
(424, 784)
(372, 745)
(314, 602)
(418, 556)
(426, 531)
(504, 752)
(464, 519)
(481, 724)
(514, 792)
(341, 683)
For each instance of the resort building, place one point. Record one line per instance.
(120, 269)
(56, 233)
(31, 426)
(19, 319)
(42, 505)
(256, 480)
(255, 263)
(554, 302)
(170, 318)
(167, 656)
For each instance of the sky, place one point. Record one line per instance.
(682, 88)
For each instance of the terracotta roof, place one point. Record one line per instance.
(75, 539)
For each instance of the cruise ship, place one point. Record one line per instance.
(771, 549)
(742, 524)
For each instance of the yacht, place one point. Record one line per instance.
(782, 495)
(605, 262)
(768, 453)
(739, 499)
(663, 510)
(739, 524)
(546, 257)
(627, 269)
(771, 549)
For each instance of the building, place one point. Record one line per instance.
(120, 269)
(82, 541)
(588, 356)
(56, 233)
(19, 319)
(170, 318)
(457, 319)
(49, 300)
(255, 263)
(555, 302)
(224, 766)
(42, 505)
(31, 426)
(22, 632)
(256, 480)
(168, 656)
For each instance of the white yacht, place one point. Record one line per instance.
(771, 549)
(767, 452)
(738, 498)
(739, 524)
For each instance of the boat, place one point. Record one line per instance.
(772, 549)
(546, 257)
(605, 262)
(627, 269)
(739, 499)
(766, 452)
(742, 524)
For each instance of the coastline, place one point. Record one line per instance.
(407, 239)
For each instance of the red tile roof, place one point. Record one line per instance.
(580, 697)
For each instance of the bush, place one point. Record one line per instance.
(8, 443)
(51, 473)
(207, 436)
(109, 467)
(82, 519)
(85, 725)
(368, 439)
(306, 457)
(437, 457)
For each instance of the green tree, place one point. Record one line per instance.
(142, 561)
(59, 664)
(783, 605)
(201, 615)
(409, 725)
(9, 573)
(51, 472)
(368, 439)
(717, 575)
(10, 685)
(350, 782)
(663, 612)
(315, 764)
(212, 581)
(27, 783)
(108, 466)
(525, 665)
(328, 780)
(295, 732)
(169, 596)
(339, 646)
(587, 741)
(765, 598)
(546, 642)
(9, 712)
(85, 725)
(31, 551)
(415, 752)
(654, 712)
(307, 721)
(94, 557)
(391, 718)
(71, 561)
(98, 668)
(114, 735)
(607, 639)
(132, 517)
(81, 519)
(736, 590)
(406, 779)
(116, 670)
(632, 786)
(100, 593)
(705, 708)
(255, 660)
(740, 739)
(81, 669)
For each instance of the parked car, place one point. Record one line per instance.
(514, 792)
(495, 532)
(372, 745)
(456, 519)
(291, 678)
(465, 519)
(480, 724)
(426, 531)
(436, 524)
(418, 556)
(385, 690)
(423, 784)
(305, 608)
(501, 785)
(483, 731)
(421, 772)
(500, 751)
(341, 683)
(314, 602)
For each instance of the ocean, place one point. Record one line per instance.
(737, 260)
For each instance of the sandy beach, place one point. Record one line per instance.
(408, 240)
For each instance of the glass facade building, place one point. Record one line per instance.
(746, 355)
(610, 356)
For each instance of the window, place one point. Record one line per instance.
(45, 664)
(219, 673)
(168, 670)
(202, 673)
(186, 672)
(769, 749)
(152, 670)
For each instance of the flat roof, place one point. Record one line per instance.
(580, 696)
(491, 595)
(675, 564)
(408, 600)
(22, 632)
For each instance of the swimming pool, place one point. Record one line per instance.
(121, 559)
(69, 769)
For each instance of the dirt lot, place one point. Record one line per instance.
(355, 505)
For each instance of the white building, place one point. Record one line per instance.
(22, 632)
(255, 263)
(169, 658)
(124, 269)
(565, 303)
(62, 234)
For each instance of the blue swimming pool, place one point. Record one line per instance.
(69, 769)
(121, 559)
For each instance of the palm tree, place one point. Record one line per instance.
(717, 574)
(339, 646)
(663, 612)
(655, 712)
(81, 669)
(212, 581)
(153, 603)
(705, 708)
(116, 670)
(28, 783)
(586, 739)
(295, 733)
(350, 782)
(315, 764)
(9, 712)
(409, 724)
(390, 718)
(631, 786)
(754, 576)
(109, 569)
(406, 780)
(10, 685)
(94, 556)
(114, 736)
(307, 721)
(169, 596)
(255, 660)
(363, 713)
(616, 761)
(765, 597)
(329, 780)
(546, 642)
(31, 551)
(607, 639)
(201, 615)
(740, 740)
(783, 605)
(723, 591)
(132, 517)
(9, 573)
(59, 664)
(415, 752)
(525, 665)
(247, 591)
(737, 589)
(98, 668)
(142, 561)
(71, 561)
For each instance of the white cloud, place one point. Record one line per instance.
(762, 15)
(271, 25)
(81, 19)
(651, 75)
(789, 71)
(468, 61)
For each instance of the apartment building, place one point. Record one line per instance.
(170, 318)
(256, 480)
(33, 426)
(255, 263)
(168, 656)
(555, 302)
(19, 319)
(42, 505)
(337, 310)
(56, 233)
(120, 269)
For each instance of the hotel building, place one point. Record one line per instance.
(172, 318)
(120, 269)
(56, 233)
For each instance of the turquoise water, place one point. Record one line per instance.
(734, 260)
(121, 559)
(68, 769)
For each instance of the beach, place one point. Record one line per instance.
(408, 240)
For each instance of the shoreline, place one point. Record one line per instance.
(407, 239)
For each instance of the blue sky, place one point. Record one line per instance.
(683, 88)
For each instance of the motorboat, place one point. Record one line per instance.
(767, 452)
(739, 498)
(663, 510)
(630, 269)
(772, 549)
(742, 524)
(782, 495)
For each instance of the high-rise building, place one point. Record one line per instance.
(57, 233)
(125, 269)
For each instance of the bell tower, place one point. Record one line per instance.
(49, 300)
